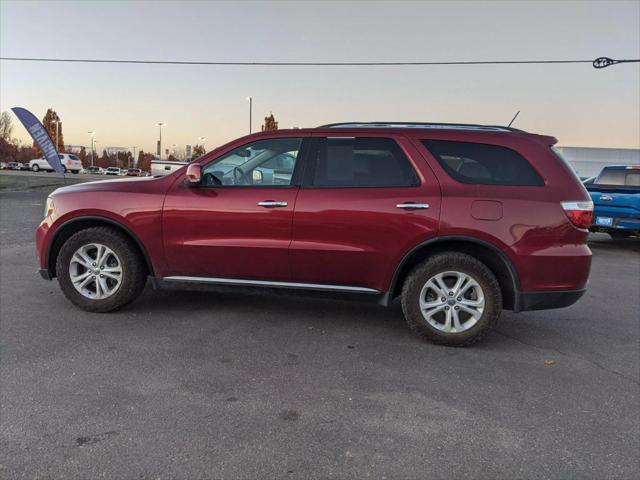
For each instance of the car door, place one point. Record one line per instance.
(364, 203)
(237, 224)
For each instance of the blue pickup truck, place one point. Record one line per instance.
(616, 198)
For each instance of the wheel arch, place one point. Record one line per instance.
(68, 228)
(496, 260)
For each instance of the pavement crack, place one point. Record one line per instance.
(575, 357)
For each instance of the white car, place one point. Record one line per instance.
(93, 170)
(112, 171)
(70, 163)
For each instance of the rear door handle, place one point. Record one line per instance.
(412, 206)
(272, 204)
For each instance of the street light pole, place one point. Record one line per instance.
(160, 125)
(57, 133)
(133, 159)
(91, 132)
(250, 112)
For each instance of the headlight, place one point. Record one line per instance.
(48, 207)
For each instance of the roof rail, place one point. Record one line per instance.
(453, 126)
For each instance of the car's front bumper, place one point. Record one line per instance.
(547, 300)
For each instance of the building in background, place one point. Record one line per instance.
(587, 161)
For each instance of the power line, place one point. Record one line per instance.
(600, 62)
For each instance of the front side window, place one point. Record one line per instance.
(479, 163)
(263, 163)
(362, 162)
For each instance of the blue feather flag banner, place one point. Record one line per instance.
(40, 136)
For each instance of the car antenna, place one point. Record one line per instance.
(513, 119)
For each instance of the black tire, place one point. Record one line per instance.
(134, 272)
(35, 168)
(458, 262)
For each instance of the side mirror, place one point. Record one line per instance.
(194, 174)
(257, 177)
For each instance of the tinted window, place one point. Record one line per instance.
(362, 162)
(262, 163)
(619, 177)
(479, 163)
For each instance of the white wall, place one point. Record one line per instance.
(588, 162)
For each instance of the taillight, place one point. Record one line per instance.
(580, 213)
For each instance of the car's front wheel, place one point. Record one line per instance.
(451, 299)
(35, 167)
(100, 270)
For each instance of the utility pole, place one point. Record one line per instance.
(133, 159)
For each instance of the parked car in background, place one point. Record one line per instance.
(112, 171)
(13, 166)
(24, 166)
(459, 221)
(615, 193)
(165, 167)
(93, 170)
(133, 172)
(70, 163)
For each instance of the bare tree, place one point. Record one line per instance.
(270, 123)
(6, 127)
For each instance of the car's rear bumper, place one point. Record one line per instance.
(618, 224)
(547, 300)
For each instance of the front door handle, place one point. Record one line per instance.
(272, 204)
(412, 206)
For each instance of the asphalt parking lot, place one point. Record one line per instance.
(239, 385)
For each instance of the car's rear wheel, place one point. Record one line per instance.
(35, 168)
(100, 270)
(451, 299)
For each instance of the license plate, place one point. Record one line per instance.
(604, 221)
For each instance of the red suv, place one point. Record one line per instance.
(459, 221)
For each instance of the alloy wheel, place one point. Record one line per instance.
(452, 302)
(95, 271)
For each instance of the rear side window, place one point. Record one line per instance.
(362, 162)
(479, 163)
(619, 177)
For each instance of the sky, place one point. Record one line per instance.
(577, 104)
